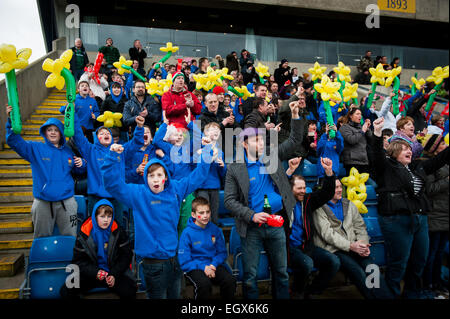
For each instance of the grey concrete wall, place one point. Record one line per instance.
(431, 10)
(30, 88)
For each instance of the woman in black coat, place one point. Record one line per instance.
(403, 206)
(103, 254)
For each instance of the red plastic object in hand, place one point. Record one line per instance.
(288, 82)
(97, 65)
(275, 221)
(102, 275)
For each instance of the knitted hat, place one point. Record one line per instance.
(218, 90)
(177, 74)
(430, 142)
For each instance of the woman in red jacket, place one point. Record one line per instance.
(177, 101)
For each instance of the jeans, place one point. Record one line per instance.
(432, 271)
(273, 241)
(163, 279)
(355, 266)
(302, 265)
(405, 240)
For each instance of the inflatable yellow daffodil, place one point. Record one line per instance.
(438, 75)
(224, 74)
(55, 79)
(169, 48)
(244, 91)
(166, 83)
(110, 119)
(328, 90)
(262, 70)
(119, 65)
(343, 71)
(350, 91)
(153, 87)
(378, 74)
(356, 189)
(446, 139)
(10, 59)
(214, 77)
(390, 76)
(317, 71)
(418, 82)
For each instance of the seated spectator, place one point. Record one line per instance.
(138, 53)
(363, 77)
(141, 104)
(178, 101)
(294, 75)
(310, 142)
(194, 66)
(110, 52)
(247, 105)
(115, 101)
(86, 109)
(405, 132)
(138, 69)
(366, 62)
(304, 255)
(202, 254)
(417, 112)
(341, 231)
(104, 254)
(52, 163)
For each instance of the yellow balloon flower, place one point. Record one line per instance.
(350, 91)
(438, 75)
(418, 82)
(243, 90)
(343, 71)
(378, 74)
(122, 61)
(110, 119)
(224, 73)
(356, 188)
(55, 78)
(262, 70)
(317, 71)
(328, 90)
(153, 87)
(446, 139)
(169, 48)
(166, 83)
(10, 59)
(391, 74)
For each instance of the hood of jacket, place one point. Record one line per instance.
(156, 161)
(58, 124)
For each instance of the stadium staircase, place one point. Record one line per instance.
(16, 198)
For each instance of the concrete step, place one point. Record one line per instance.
(17, 223)
(47, 111)
(9, 154)
(30, 131)
(16, 182)
(9, 209)
(16, 194)
(9, 286)
(31, 126)
(15, 241)
(44, 117)
(14, 161)
(15, 171)
(10, 264)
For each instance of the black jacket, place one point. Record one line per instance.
(120, 253)
(395, 184)
(110, 105)
(133, 107)
(255, 119)
(420, 122)
(279, 76)
(73, 60)
(232, 63)
(207, 117)
(138, 56)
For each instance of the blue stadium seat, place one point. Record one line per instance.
(372, 210)
(308, 190)
(371, 195)
(225, 219)
(82, 208)
(238, 269)
(46, 270)
(373, 228)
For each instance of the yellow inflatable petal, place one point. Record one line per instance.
(109, 122)
(344, 181)
(363, 177)
(362, 197)
(354, 172)
(362, 188)
(7, 53)
(101, 118)
(66, 56)
(363, 209)
(169, 48)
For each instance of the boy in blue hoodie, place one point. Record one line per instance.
(52, 163)
(95, 155)
(156, 209)
(202, 254)
(329, 148)
(103, 254)
(86, 108)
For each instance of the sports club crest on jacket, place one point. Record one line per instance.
(213, 239)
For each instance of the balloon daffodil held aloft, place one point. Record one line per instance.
(356, 188)
(343, 72)
(110, 119)
(437, 76)
(10, 60)
(350, 91)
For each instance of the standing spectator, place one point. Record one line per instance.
(363, 77)
(437, 190)
(203, 64)
(141, 104)
(178, 101)
(395, 62)
(111, 53)
(405, 132)
(245, 60)
(97, 89)
(366, 62)
(258, 118)
(246, 183)
(330, 148)
(232, 62)
(194, 66)
(437, 125)
(386, 112)
(282, 74)
(341, 231)
(417, 112)
(402, 207)
(355, 141)
(138, 53)
(304, 255)
(79, 59)
(294, 75)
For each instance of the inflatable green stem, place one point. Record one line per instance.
(129, 68)
(413, 87)
(232, 89)
(432, 96)
(330, 120)
(164, 59)
(395, 110)
(70, 96)
(13, 100)
(315, 92)
(373, 89)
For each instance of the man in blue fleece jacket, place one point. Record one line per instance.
(156, 209)
(202, 253)
(52, 163)
(95, 155)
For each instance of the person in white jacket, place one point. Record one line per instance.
(97, 89)
(386, 112)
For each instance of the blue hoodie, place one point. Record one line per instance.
(83, 109)
(155, 215)
(51, 166)
(101, 236)
(200, 247)
(330, 148)
(334, 112)
(95, 155)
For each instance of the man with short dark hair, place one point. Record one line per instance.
(260, 91)
(258, 118)
(110, 52)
